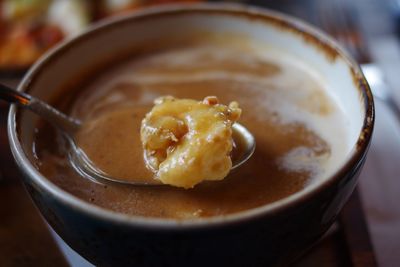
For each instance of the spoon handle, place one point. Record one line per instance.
(13, 96)
(52, 115)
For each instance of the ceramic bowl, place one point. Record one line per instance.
(274, 234)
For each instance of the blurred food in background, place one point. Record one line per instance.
(28, 28)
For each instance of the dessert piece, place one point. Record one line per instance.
(186, 141)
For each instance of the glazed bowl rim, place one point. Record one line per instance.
(355, 156)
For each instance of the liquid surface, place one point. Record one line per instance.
(299, 129)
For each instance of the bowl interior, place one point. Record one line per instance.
(103, 43)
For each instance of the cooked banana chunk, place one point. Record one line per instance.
(186, 141)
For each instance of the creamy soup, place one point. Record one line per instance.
(299, 128)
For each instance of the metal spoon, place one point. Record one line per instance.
(81, 163)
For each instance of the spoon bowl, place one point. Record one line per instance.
(78, 158)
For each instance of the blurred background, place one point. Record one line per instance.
(368, 29)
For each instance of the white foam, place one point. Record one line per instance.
(288, 102)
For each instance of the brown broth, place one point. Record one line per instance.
(115, 105)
